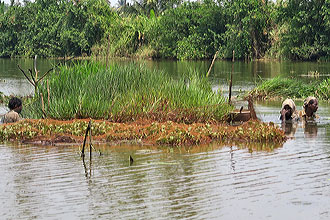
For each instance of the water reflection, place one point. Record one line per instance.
(310, 130)
(289, 128)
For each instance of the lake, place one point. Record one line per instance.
(198, 182)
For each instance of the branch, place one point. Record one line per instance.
(32, 76)
(52, 69)
(26, 75)
(35, 66)
(45, 75)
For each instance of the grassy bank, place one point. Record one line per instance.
(126, 93)
(280, 87)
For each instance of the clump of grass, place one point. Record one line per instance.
(280, 87)
(323, 90)
(126, 93)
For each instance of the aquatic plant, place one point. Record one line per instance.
(158, 133)
(294, 88)
(323, 90)
(125, 93)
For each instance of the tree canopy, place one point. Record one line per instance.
(292, 29)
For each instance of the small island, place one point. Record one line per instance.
(131, 103)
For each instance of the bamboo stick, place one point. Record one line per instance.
(231, 78)
(214, 58)
(35, 66)
(48, 92)
(83, 148)
(90, 141)
(43, 106)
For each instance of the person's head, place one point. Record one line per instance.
(310, 105)
(287, 112)
(288, 109)
(15, 104)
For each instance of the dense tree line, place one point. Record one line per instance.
(293, 29)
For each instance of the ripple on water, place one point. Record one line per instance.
(214, 182)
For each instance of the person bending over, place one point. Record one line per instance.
(310, 106)
(15, 106)
(288, 111)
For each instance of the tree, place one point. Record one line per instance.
(306, 28)
(248, 27)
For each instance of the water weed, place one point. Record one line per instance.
(155, 133)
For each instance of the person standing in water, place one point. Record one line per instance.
(15, 106)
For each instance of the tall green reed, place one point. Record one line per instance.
(127, 93)
(295, 88)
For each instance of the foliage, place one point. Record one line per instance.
(128, 35)
(284, 87)
(305, 29)
(323, 90)
(146, 7)
(195, 31)
(247, 28)
(53, 28)
(126, 93)
(294, 29)
(50, 132)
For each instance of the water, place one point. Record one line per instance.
(245, 75)
(200, 182)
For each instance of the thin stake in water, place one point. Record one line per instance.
(87, 130)
(231, 78)
(130, 160)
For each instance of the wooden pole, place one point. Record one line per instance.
(251, 108)
(43, 105)
(35, 67)
(48, 93)
(90, 140)
(83, 148)
(214, 58)
(231, 77)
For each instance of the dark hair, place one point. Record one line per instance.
(311, 101)
(14, 103)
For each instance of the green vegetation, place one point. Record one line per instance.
(52, 28)
(283, 87)
(167, 29)
(303, 29)
(126, 93)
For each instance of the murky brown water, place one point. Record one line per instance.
(201, 182)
